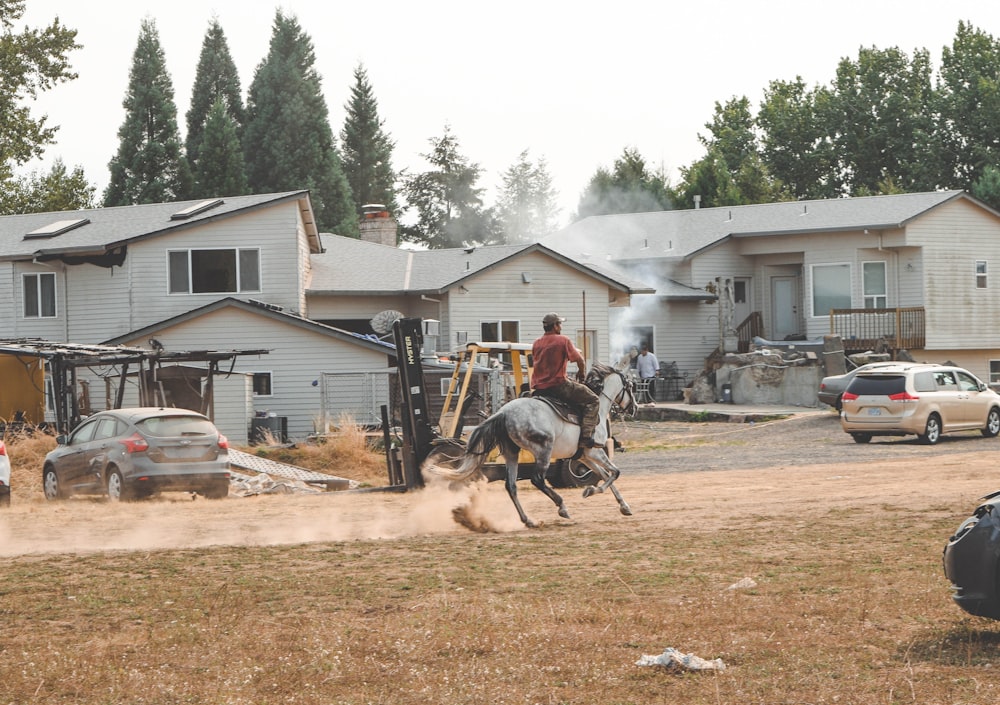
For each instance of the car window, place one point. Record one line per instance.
(868, 385)
(966, 382)
(166, 426)
(924, 382)
(84, 433)
(945, 381)
(106, 428)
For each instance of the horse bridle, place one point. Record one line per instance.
(626, 386)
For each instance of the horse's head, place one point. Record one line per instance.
(615, 385)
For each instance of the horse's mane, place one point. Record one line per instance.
(598, 371)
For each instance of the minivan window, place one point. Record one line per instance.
(884, 385)
(924, 382)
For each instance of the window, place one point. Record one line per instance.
(213, 271)
(500, 331)
(980, 274)
(873, 276)
(994, 372)
(262, 384)
(740, 291)
(586, 343)
(831, 287)
(39, 295)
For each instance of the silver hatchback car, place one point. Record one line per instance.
(130, 453)
(918, 399)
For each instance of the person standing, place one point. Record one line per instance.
(647, 367)
(551, 354)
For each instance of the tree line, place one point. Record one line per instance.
(884, 124)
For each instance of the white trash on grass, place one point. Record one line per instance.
(671, 658)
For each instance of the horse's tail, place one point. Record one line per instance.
(484, 438)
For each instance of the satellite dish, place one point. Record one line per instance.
(382, 322)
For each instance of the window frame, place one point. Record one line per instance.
(262, 374)
(241, 287)
(38, 299)
(982, 274)
(500, 324)
(994, 369)
(812, 287)
(884, 296)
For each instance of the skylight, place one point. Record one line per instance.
(196, 209)
(57, 228)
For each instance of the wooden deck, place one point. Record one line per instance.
(863, 329)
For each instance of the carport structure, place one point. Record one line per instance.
(162, 380)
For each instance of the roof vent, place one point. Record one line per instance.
(197, 208)
(57, 228)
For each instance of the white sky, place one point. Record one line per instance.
(575, 83)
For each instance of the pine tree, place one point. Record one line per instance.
(287, 139)
(215, 79)
(221, 170)
(150, 166)
(527, 206)
(367, 149)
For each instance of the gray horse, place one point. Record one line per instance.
(532, 424)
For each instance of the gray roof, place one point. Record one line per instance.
(357, 267)
(111, 228)
(267, 311)
(683, 233)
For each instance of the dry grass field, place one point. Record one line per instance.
(372, 597)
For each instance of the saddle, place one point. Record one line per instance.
(563, 409)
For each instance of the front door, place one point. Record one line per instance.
(784, 307)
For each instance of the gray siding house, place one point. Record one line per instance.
(910, 271)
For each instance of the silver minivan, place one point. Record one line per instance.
(918, 399)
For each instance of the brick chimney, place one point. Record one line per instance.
(377, 225)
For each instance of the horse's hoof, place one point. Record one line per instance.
(588, 491)
(563, 513)
(626, 510)
(530, 524)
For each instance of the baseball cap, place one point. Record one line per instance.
(551, 318)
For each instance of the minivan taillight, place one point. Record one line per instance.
(848, 396)
(134, 443)
(223, 442)
(904, 396)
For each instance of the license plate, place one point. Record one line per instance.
(874, 412)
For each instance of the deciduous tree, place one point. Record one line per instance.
(49, 192)
(31, 61)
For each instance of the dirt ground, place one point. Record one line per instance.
(676, 475)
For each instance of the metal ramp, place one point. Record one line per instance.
(247, 461)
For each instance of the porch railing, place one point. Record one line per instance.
(866, 328)
(752, 325)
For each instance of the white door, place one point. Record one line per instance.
(784, 307)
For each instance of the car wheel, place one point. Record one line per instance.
(992, 427)
(117, 490)
(861, 437)
(839, 403)
(932, 432)
(50, 485)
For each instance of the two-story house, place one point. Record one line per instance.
(910, 271)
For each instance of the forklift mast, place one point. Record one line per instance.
(418, 434)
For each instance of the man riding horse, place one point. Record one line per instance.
(551, 354)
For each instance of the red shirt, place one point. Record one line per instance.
(550, 355)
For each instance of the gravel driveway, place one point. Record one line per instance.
(801, 439)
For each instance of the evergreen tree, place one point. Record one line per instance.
(31, 61)
(448, 201)
(221, 170)
(287, 139)
(630, 187)
(150, 166)
(366, 148)
(48, 193)
(987, 187)
(216, 78)
(527, 207)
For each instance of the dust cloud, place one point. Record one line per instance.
(85, 525)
